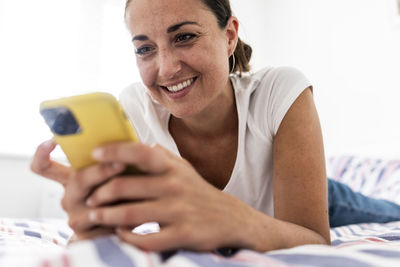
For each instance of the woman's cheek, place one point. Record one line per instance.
(145, 73)
(149, 80)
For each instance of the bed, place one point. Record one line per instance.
(43, 242)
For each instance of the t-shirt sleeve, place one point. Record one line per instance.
(284, 84)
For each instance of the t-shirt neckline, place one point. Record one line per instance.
(241, 113)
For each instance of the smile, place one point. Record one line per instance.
(180, 86)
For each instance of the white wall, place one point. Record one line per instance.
(350, 50)
(55, 48)
(26, 195)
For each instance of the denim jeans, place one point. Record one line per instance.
(349, 207)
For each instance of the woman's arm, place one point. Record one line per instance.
(300, 184)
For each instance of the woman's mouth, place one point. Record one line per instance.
(180, 89)
(180, 86)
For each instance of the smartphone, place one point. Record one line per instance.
(82, 123)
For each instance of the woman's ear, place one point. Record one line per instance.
(232, 30)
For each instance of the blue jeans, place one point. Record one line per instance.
(349, 207)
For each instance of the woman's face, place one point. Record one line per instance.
(182, 53)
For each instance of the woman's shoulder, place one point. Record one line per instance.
(268, 77)
(274, 75)
(135, 92)
(139, 108)
(133, 100)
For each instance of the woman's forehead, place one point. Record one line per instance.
(164, 12)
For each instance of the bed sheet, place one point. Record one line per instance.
(31, 243)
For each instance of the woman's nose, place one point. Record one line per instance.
(169, 64)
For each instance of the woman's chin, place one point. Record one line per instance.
(182, 114)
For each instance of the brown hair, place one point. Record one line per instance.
(222, 11)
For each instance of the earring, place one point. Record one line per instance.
(233, 63)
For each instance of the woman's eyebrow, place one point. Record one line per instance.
(140, 38)
(169, 30)
(177, 26)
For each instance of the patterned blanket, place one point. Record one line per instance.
(43, 243)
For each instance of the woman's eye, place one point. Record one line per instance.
(181, 38)
(141, 51)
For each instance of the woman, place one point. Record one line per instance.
(240, 161)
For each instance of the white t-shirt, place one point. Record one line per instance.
(262, 100)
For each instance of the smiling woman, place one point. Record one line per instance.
(239, 159)
(227, 160)
(201, 185)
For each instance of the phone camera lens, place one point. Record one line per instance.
(61, 121)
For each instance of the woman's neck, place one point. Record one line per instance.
(218, 119)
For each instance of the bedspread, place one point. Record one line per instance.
(43, 243)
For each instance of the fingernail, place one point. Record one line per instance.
(97, 153)
(48, 143)
(93, 216)
(117, 165)
(90, 202)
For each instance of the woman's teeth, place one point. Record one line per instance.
(180, 86)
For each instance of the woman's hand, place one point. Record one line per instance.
(44, 166)
(77, 185)
(192, 213)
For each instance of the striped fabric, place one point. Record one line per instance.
(33, 243)
(26, 242)
(355, 245)
(377, 178)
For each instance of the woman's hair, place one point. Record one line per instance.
(222, 11)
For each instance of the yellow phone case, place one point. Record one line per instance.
(84, 122)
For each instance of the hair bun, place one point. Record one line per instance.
(242, 56)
